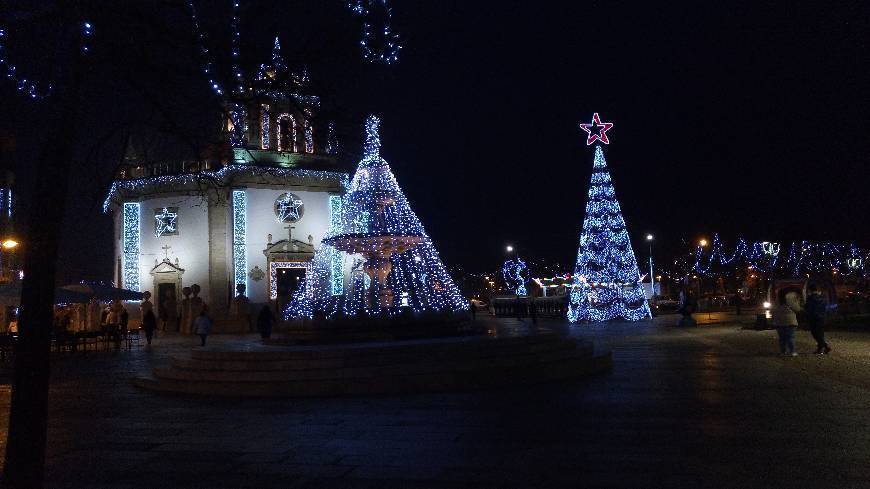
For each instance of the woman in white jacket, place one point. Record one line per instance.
(785, 320)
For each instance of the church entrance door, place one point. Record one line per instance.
(287, 280)
(167, 293)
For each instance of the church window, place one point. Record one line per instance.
(166, 221)
(286, 132)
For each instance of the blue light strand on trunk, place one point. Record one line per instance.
(35, 89)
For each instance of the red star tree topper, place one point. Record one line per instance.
(596, 130)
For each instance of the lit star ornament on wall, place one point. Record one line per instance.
(166, 222)
(289, 208)
(596, 130)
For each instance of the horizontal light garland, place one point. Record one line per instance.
(219, 177)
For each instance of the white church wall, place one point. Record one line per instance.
(261, 221)
(190, 245)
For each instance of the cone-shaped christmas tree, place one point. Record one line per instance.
(607, 282)
(394, 263)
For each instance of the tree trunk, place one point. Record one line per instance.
(28, 417)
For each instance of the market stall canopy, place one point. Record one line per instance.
(103, 292)
(10, 294)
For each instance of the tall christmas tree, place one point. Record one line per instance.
(607, 283)
(393, 264)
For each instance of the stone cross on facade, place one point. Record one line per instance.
(289, 229)
(165, 249)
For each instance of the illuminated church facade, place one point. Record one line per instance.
(246, 224)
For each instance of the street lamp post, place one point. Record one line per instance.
(652, 277)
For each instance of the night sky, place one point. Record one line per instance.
(743, 118)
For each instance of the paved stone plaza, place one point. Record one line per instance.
(709, 407)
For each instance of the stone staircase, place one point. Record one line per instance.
(441, 364)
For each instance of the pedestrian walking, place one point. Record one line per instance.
(785, 320)
(815, 308)
(124, 320)
(473, 310)
(518, 309)
(264, 322)
(533, 312)
(738, 303)
(149, 324)
(202, 325)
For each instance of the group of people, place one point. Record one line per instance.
(785, 319)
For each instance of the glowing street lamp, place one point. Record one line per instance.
(9, 244)
(702, 243)
(509, 248)
(652, 277)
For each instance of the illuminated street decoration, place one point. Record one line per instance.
(240, 247)
(770, 248)
(379, 43)
(130, 245)
(803, 257)
(607, 283)
(388, 241)
(596, 130)
(28, 86)
(289, 208)
(166, 222)
(515, 275)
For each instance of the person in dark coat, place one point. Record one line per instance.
(738, 303)
(815, 308)
(202, 325)
(533, 312)
(264, 322)
(149, 324)
(125, 319)
(473, 309)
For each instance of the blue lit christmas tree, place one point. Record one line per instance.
(394, 265)
(607, 283)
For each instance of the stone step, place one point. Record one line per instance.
(374, 371)
(357, 358)
(483, 377)
(274, 353)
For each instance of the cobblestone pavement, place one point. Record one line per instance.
(708, 407)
